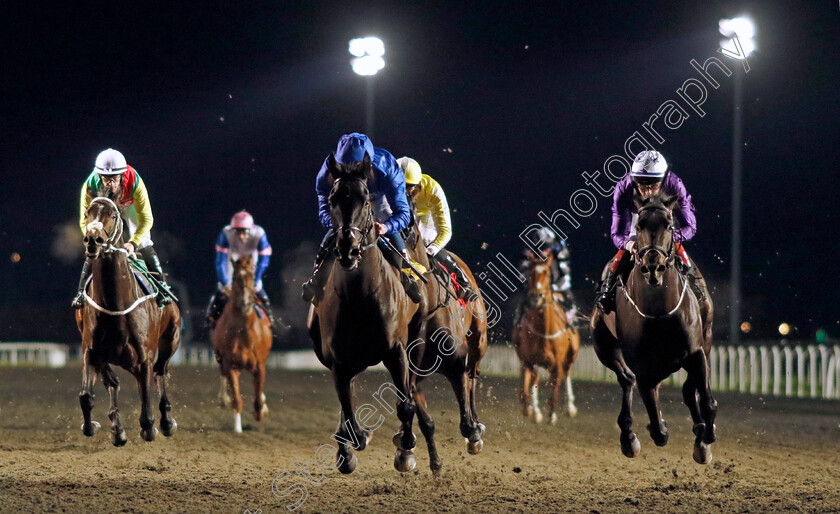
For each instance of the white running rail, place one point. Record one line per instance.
(51, 355)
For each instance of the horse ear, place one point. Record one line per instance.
(638, 199)
(333, 171)
(367, 168)
(670, 202)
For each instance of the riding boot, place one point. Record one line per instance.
(466, 291)
(79, 301)
(215, 308)
(606, 298)
(313, 288)
(152, 261)
(695, 286)
(266, 305)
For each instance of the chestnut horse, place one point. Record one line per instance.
(455, 343)
(543, 337)
(122, 325)
(657, 328)
(365, 317)
(242, 341)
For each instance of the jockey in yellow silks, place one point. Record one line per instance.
(113, 178)
(432, 217)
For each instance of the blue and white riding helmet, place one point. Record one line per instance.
(649, 167)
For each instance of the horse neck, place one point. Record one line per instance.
(655, 299)
(112, 281)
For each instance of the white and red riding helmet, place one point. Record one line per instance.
(242, 220)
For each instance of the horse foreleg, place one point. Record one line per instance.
(525, 397)
(657, 428)
(630, 446)
(473, 383)
(235, 399)
(260, 406)
(427, 426)
(168, 425)
(689, 392)
(554, 386)
(397, 364)
(144, 385)
(570, 397)
(348, 435)
(471, 430)
(109, 378)
(89, 426)
(704, 431)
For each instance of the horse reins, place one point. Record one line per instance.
(109, 247)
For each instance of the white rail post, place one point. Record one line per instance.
(800, 371)
(753, 369)
(713, 376)
(742, 369)
(837, 372)
(813, 371)
(732, 353)
(788, 371)
(777, 371)
(825, 379)
(722, 369)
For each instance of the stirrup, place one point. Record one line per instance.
(311, 290)
(79, 300)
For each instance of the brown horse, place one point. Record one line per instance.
(455, 343)
(364, 317)
(242, 341)
(657, 328)
(122, 325)
(543, 337)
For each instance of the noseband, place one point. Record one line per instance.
(109, 245)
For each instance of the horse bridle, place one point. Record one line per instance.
(109, 245)
(363, 232)
(669, 254)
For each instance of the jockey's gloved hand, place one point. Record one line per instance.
(221, 287)
(258, 285)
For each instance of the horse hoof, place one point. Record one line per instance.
(91, 430)
(481, 430)
(264, 409)
(632, 447)
(553, 418)
(435, 466)
(538, 417)
(168, 430)
(149, 435)
(348, 465)
(572, 411)
(702, 453)
(119, 439)
(475, 448)
(659, 438)
(404, 461)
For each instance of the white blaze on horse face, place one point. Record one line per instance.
(94, 225)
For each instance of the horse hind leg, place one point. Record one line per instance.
(657, 428)
(260, 405)
(397, 364)
(168, 425)
(109, 378)
(475, 448)
(86, 397)
(427, 426)
(470, 429)
(348, 435)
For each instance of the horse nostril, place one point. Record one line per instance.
(86, 239)
(355, 251)
(99, 240)
(660, 269)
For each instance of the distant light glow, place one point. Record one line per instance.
(744, 28)
(15, 257)
(367, 52)
(784, 329)
(746, 327)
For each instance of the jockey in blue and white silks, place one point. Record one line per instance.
(649, 176)
(390, 206)
(242, 237)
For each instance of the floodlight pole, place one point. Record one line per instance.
(369, 106)
(735, 273)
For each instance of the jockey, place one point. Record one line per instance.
(434, 222)
(241, 237)
(113, 178)
(391, 211)
(561, 274)
(649, 176)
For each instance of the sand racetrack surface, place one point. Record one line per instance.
(772, 454)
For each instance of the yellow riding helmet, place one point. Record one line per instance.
(412, 170)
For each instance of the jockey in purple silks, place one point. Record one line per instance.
(649, 176)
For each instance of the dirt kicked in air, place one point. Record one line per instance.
(772, 454)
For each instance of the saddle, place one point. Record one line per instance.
(143, 275)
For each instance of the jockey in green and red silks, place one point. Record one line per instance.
(387, 194)
(649, 176)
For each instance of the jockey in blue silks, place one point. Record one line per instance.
(649, 176)
(390, 206)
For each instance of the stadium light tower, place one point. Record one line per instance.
(744, 29)
(367, 61)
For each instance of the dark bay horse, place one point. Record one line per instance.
(242, 341)
(456, 340)
(657, 328)
(543, 337)
(364, 317)
(122, 325)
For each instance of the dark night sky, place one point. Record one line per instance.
(154, 81)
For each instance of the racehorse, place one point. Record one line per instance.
(455, 343)
(121, 324)
(543, 337)
(365, 317)
(242, 341)
(656, 329)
